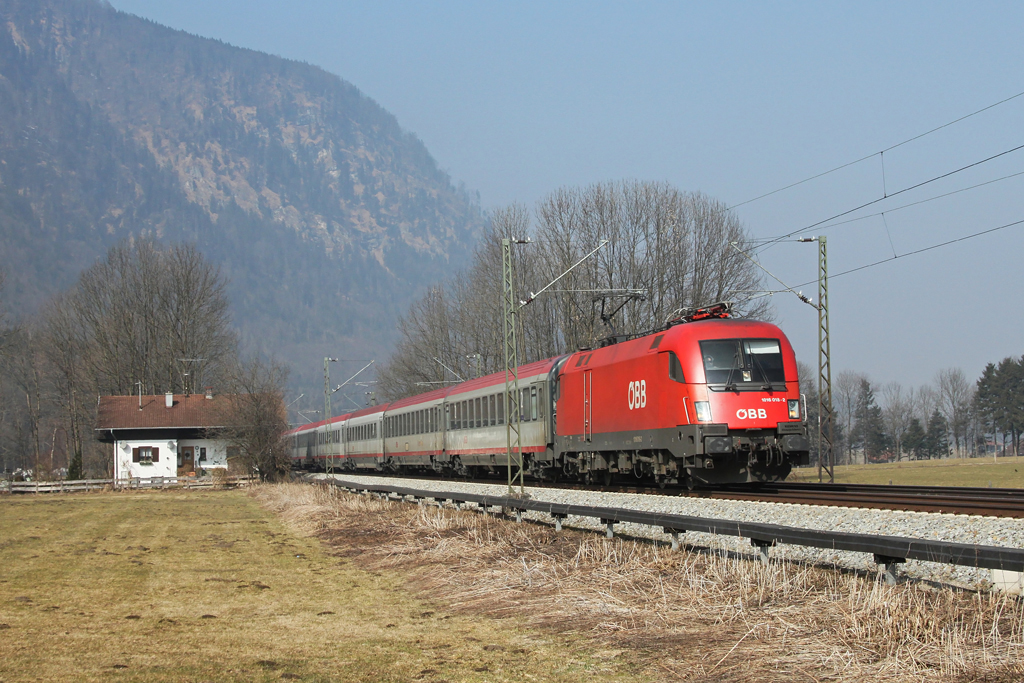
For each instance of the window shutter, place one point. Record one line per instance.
(135, 455)
(156, 454)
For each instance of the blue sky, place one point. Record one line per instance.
(732, 99)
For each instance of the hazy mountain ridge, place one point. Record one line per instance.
(321, 209)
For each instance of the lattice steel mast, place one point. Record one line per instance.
(513, 425)
(826, 454)
(329, 466)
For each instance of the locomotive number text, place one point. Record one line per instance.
(752, 414)
(638, 394)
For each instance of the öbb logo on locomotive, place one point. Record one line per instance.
(638, 394)
(711, 400)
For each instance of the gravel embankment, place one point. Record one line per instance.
(946, 527)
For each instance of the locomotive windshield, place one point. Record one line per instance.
(743, 364)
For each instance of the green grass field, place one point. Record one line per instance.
(1006, 473)
(209, 586)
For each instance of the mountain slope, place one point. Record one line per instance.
(326, 216)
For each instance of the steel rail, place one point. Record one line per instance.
(887, 550)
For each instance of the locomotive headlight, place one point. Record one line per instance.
(794, 409)
(703, 411)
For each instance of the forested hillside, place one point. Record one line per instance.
(325, 216)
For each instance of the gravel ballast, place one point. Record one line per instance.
(995, 531)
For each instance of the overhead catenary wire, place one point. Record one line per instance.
(899, 208)
(878, 153)
(770, 243)
(833, 276)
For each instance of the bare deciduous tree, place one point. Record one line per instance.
(257, 418)
(675, 246)
(146, 314)
(955, 396)
(897, 413)
(845, 391)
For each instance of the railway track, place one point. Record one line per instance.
(990, 502)
(941, 499)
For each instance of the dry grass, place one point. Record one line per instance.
(1006, 473)
(210, 586)
(679, 615)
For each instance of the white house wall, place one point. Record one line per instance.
(166, 466)
(216, 452)
(170, 450)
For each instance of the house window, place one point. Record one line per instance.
(202, 455)
(146, 455)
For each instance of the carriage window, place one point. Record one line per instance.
(500, 405)
(477, 422)
(533, 403)
(486, 412)
(472, 415)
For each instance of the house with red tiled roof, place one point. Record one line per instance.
(165, 436)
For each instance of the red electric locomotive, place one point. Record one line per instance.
(707, 400)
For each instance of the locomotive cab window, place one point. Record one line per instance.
(743, 364)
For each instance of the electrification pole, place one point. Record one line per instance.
(329, 467)
(513, 425)
(826, 453)
(510, 309)
(826, 436)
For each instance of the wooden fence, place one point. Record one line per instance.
(66, 486)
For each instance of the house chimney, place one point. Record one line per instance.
(168, 399)
(209, 392)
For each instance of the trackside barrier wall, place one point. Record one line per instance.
(887, 550)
